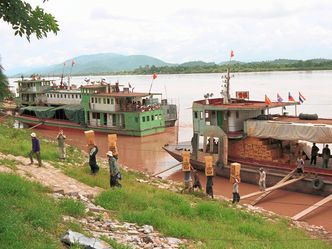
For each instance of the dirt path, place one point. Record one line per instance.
(50, 177)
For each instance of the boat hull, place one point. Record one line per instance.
(250, 174)
(52, 124)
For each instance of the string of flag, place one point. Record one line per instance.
(290, 98)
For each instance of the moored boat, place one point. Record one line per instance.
(242, 130)
(101, 106)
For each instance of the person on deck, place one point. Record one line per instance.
(92, 159)
(61, 144)
(299, 165)
(35, 149)
(236, 195)
(115, 175)
(314, 154)
(262, 178)
(326, 156)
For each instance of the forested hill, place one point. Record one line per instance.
(236, 66)
(109, 63)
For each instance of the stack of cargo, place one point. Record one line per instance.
(256, 149)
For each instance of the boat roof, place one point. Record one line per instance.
(240, 104)
(94, 86)
(125, 94)
(33, 81)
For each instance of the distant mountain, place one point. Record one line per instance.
(98, 63)
(197, 64)
(141, 64)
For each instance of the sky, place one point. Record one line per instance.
(176, 31)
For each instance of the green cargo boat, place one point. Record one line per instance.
(101, 106)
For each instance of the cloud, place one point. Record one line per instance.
(177, 31)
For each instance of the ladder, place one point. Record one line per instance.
(266, 193)
(312, 208)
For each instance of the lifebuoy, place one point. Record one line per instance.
(317, 183)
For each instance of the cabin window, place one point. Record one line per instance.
(76, 96)
(60, 95)
(108, 101)
(72, 95)
(156, 117)
(207, 114)
(143, 119)
(228, 113)
(47, 95)
(237, 114)
(104, 101)
(147, 118)
(167, 111)
(57, 95)
(96, 115)
(112, 101)
(160, 116)
(65, 95)
(92, 100)
(114, 119)
(152, 117)
(196, 115)
(262, 112)
(201, 115)
(99, 100)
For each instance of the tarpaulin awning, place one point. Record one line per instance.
(318, 133)
(73, 113)
(40, 111)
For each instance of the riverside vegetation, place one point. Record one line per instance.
(214, 224)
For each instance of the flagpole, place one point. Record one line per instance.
(151, 86)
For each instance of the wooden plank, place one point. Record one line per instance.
(269, 192)
(312, 208)
(167, 169)
(273, 187)
(35, 126)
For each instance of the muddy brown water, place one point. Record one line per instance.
(146, 154)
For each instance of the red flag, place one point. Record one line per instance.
(72, 62)
(267, 100)
(232, 53)
(154, 76)
(290, 97)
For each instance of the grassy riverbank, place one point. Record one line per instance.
(214, 223)
(29, 219)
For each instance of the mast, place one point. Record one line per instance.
(227, 78)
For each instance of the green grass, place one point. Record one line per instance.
(115, 244)
(8, 163)
(28, 217)
(18, 143)
(72, 207)
(216, 224)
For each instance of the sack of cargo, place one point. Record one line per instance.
(235, 171)
(112, 146)
(186, 161)
(208, 166)
(90, 137)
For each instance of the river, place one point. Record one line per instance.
(146, 153)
